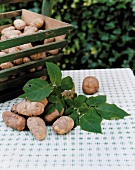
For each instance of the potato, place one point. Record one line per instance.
(12, 34)
(31, 29)
(2, 53)
(32, 70)
(38, 56)
(38, 22)
(25, 46)
(7, 29)
(90, 85)
(26, 60)
(3, 79)
(3, 38)
(52, 116)
(6, 65)
(53, 52)
(37, 127)
(19, 24)
(39, 68)
(28, 108)
(63, 125)
(13, 120)
(44, 101)
(49, 40)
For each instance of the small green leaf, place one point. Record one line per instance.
(36, 90)
(75, 117)
(111, 111)
(80, 100)
(67, 83)
(52, 99)
(88, 123)
(54, 73)
(49, 109)
(95, 101)
(69, 111)
(59, 106)
(71, 102)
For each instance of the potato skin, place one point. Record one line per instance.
(63, 125)
(28, 108)
(90, 85)
(38, 22)
(37, 127)
(13, 120)
(51, 117)
(19, 24)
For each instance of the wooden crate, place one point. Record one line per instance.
(53, 28)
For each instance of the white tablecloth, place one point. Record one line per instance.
(114, 149)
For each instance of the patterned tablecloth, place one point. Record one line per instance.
(114, 149)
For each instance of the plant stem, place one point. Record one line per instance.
(47, 7)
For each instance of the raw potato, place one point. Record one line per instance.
(39, 68)
(19, 24)
(28, 108)
(13, 120)
(44, 101)
(63, 125)
(49, 40)
(26, 60)
(38, 56)
(37, 127)
(38, 22)
(51, 117)
(3, 79)
(7, 29)
(6, 65)
(53, 52)
(90, 85)
(31, 29)
(25, 46)
(12, 34)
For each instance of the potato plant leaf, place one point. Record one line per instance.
(59, 106)
(49, 109)
(36, 90)
(95, 101)
(80, 100)
(67, 83)
(88, 123)
(75, 117)
(54, 73)
(111, 111)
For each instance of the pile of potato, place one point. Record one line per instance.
(31, 115)
(18, 29)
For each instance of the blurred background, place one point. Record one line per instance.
(103, 34)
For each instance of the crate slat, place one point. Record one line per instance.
(29, 65)
(10, 14)
(33, 50)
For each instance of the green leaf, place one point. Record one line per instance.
(75, 117)
(59, 106)
(69, 111)
(95, 101)
(88, 123)
(71, 102)
(67, 83)
(54, 73)
(36, 90)
(111, 111)
(49, 109)
(80, 100)
(53, 99)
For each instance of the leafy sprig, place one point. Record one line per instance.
(87, 112)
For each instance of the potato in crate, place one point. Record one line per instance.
(25, 45)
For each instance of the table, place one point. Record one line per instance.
(114, 149)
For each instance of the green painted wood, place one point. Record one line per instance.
(35, 37)
(10, 14)
(27, 66)
(47, 6)
(22, 79)
(33, 50)
(13, 1)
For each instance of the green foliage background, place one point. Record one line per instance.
(103, 34)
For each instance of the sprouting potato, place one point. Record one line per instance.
(90, 85)
(37, 127)
(63, 125)
(13, 120)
